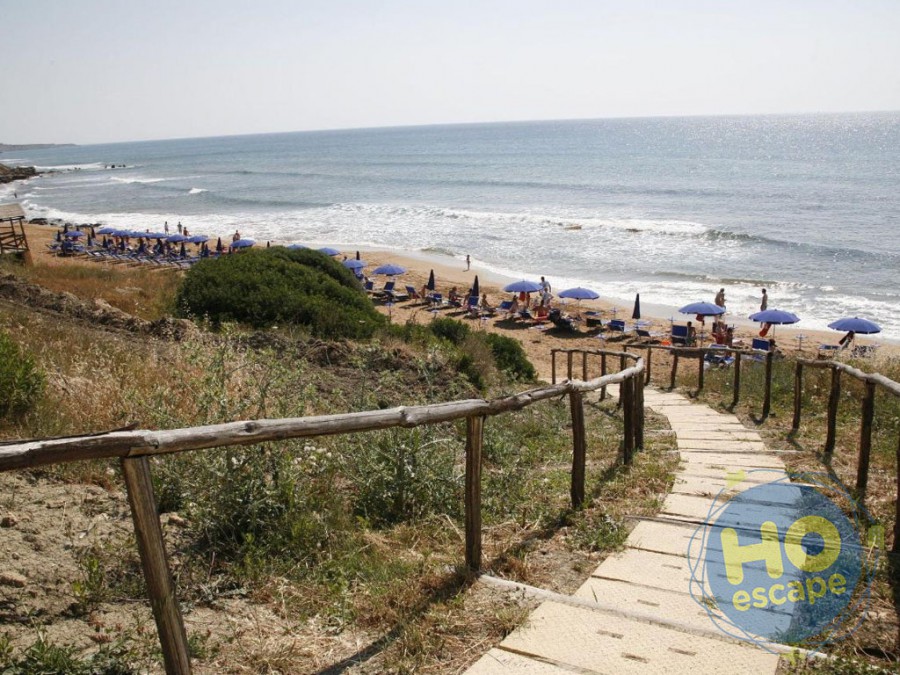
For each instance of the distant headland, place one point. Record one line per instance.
(6, 147)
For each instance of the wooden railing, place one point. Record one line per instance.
(135, 447)
(11, 239)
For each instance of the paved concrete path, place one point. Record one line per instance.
(636, 614)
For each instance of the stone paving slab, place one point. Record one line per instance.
(604, 643)
(731, 461)
(720, 445)
(499, 661)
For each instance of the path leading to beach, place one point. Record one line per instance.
(636, 614)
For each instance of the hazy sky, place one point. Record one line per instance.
(91, 71)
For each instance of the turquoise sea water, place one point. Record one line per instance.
(672, 208)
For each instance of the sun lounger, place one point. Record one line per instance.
(679, 335)
(413, 293)
(644, 335)
(564, 322)
(616, 326)
(720, 360)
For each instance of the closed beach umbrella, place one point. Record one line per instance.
(327, 250)
(182, 252)
(242, 243)
(389, 270)
(855, 324)
(579, 293)
(219, 246)
(354, 264)
(357, 255)
(475, 287)
(430, 284)
(636, 313)
(523, 286)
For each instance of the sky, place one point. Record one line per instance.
(96, 71)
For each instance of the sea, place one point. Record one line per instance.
(671, 208)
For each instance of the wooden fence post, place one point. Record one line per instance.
(701, 372)
(474, 442)
(602, 373)
(833, 400)
(626, 397)
(647, 377)
(767, 400)
(569, 356)
(579, 448)
(584, 369)
(623, 363)
(798, 396)
(553, 366)
(865, 440)
(896, 546)
(155, 563)
(639, 413)
(737, 380)
(674, 369)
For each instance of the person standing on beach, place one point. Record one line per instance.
(468, 262)
(166, 227)
(765, 301)
(720, 298)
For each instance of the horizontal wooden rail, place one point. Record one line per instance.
(139, 443)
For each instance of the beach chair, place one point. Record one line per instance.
(412, 292)
(679, 335)
(563, 322)
(393, 295)
(719, 360)
(616, 326)
(593, 319)
(644, 335)
(369, 287)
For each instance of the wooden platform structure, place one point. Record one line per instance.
(12, 230)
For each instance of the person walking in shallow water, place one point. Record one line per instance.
(720, 298)
(764, 303)
(468, 262)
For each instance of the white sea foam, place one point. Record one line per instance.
(135, 179)
(196, 191)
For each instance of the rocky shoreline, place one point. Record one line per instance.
(8, 174)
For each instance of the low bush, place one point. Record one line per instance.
(273, 286)
(510, 357)
(21, 380)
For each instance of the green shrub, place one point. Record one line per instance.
(510, 357)
(270, 286)
(21, 381)
(451, 330)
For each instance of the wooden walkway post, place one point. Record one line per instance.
(584, 368)
(865, 440)
(569, 357)
(702, 370)
(798, 396)
(553, 366)
(579, 448)
(896, 546)
(474, 442)
(602, 374)
(674, 369)
(161, 589)
(767, 400)
(623, 364)
(626, 397)
(737, 380)
(639, 414)
(647, 365)
(833, 400)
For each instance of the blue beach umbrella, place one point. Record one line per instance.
(523, 286)
(327, 250)
(389, 270)
(774, 316)
(242, 243)
(175, 238)
(702, 309)
(296, 247)
(73, 234)
(155, 235)
(106, 230)
(354, 264)
(197, 239)
(579, 293)
(855, 324)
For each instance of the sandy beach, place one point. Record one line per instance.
(538, 342)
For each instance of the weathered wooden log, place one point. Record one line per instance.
(865, 440)
(674, 369)
(584, 366)
(553, 366)
(570, 355)
(626, 397)
(602, 374)
(767, 395)
(736, 396)
(474, 442)
(798, 396)
(160, 588)
(701, 371)
(834, 398)
(579, 448)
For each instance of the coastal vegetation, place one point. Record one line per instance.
(331, 542)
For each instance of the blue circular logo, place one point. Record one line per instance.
(782, 562)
